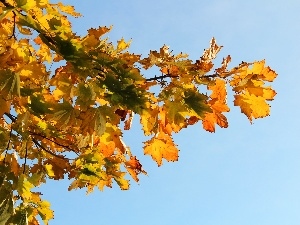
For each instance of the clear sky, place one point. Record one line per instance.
(243, 175)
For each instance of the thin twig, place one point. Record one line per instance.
(172, 76)
(11, 117)
(46, 150)
(161, 77)
(61, 145)
(211, 75)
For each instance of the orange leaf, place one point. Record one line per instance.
(218, 105)
(134, 167)
(107, 149)
(211, 119)
(218, 90)
(252, 106)
(161, 146)
(266, 73)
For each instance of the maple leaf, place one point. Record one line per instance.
(149, 120)
(44, 211)
(56, 168)
(68, 9)
(196, 102)
(122, 45)
(9, 84)
(251, 92)
(24, 187)
(161, 146)
(218, 105)
(252, 106)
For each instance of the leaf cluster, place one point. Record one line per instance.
(68, 123)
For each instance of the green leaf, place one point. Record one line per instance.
(65, 114)
(196, 102)
(25, 4)
(6, 203)
(38, 105)
(9, 84)
(176, 112)
(19, 217)
(5, 11)
(21, 3)
(24, 187)
(44, 211)
(86, 95)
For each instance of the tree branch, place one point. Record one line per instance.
(161, 77)
(11, 117)
(46, 150)
(211, 75)
(172, 76)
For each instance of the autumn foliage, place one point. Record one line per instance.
(65, 101)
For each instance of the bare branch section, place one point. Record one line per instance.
(171, 76)
(161, 77)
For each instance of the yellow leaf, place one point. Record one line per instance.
(26, 4)
(42, 3)
(269, 93)
(49, 170)
(161, 146)
(68, 9)
(122, 45)
(148, 119)
(24, 187)
(252, 106)
(122, 182)
(103, 183)
(44, 211)
(42, 124)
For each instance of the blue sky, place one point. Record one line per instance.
(243, 175)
